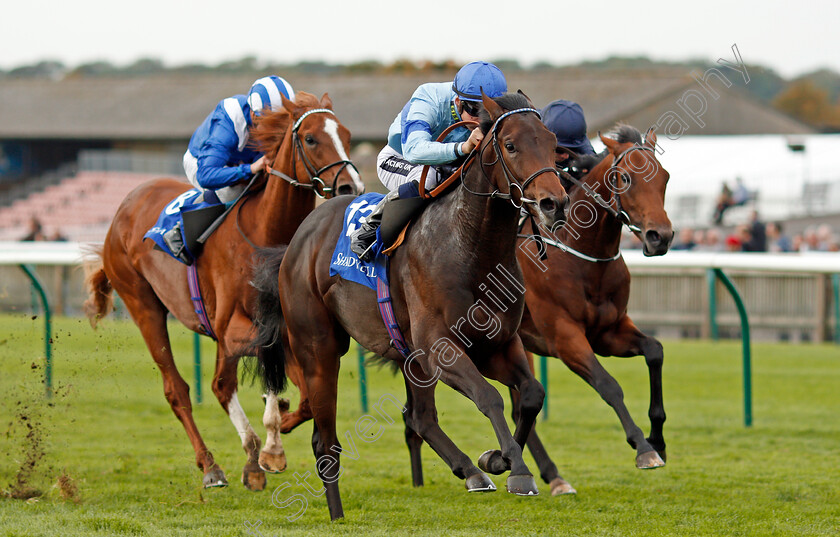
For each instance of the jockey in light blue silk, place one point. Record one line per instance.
(412, 138)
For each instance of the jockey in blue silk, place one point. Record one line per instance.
(218, 157)
(412, 139)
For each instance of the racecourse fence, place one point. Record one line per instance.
(789, 297)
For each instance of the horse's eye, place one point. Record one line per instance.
(510, 147)
(309, 139)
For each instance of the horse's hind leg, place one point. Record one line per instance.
(548, 470)
(225, 388)
(150, 316)
(413, 440)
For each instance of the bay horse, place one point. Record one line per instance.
(308, 148)
(576, 294)
(438, 280)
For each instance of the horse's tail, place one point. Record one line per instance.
(269, 325)
(100, 302)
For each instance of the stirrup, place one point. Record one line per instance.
(173, 240)
(362, 241)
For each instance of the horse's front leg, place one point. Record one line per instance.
(511, 368)
(626, 340)
(421, 423)
(548, 470)
(451, 364)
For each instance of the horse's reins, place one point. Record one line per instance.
(509, 176)
(313, 172)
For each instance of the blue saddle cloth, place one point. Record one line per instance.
(172, 214)
(344, 262)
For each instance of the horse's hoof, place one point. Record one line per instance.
(272, 463)
(479, 483)
(253, 477)
(649, 461)
(522, 485)
(492, 462)
(560, 486)
(214, 477)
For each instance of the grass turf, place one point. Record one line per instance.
(111, 459)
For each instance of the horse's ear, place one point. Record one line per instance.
(520, 92)
(289, 105)
(650, 138)
(611, 144)
(326, 102)
(491, 106)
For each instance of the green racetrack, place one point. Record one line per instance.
(111, 434)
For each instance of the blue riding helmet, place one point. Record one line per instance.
(266, 92)
(477, 76)
(565, 119)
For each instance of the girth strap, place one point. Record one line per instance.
(198, 302)
(386, 309)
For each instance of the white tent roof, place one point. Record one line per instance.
(699, 165)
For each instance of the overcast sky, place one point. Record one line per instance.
(789, 37)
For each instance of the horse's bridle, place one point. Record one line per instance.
(509, 175)
(619, 213)
(313, 172)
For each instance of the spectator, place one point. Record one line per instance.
(685, 240)
(757, 241)
(56, 236)
(810, 241)
(712, 241)
(740, 195)
(36, 231)
(724, 202)
(777, 241)
(825, 237)
(733, 243)
(797, 243)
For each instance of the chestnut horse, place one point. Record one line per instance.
(439, 281)
(307, 146)
(576, 296)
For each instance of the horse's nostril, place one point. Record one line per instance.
(344, 190)
(547, 205)
(653, 237)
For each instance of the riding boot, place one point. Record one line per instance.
(175, 242)
(363, 238)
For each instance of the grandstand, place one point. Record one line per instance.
(79, 207)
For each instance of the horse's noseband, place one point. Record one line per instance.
(314, 173)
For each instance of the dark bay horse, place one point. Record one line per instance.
(576, 295)
(439, 281)
(307, 144)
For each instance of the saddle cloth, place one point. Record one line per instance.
(194, 210)
(344, 262)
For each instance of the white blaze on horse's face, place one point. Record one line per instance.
(331, 128)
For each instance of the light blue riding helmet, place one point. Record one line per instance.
(477, 76)
(266, 92)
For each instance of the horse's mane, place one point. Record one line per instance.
(270, 127)
(626, 134)
(508, 101)
(621, 133)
